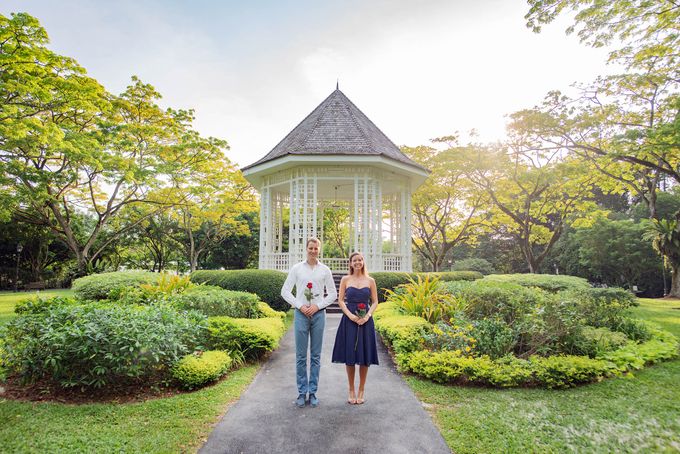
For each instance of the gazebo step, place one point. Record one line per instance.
(334, 308)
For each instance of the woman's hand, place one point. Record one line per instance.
(362, 320)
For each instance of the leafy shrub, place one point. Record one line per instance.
(493, 337)
(634, 329)
(404, 333)
(507, 301)
(567, 371)
(215, 301)
(424, 298)
(198, 369)
(168, 284)
(548, 282)
(251, 337)
(264, 283)
(593, 341)
(96, 345)
(662, 345)
(107, 285)
(447, 337)
(38, 305)
(265, 310)
(387, 281)
(387, 309)
(602, 307)
(473, 264)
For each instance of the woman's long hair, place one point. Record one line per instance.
(363, 268)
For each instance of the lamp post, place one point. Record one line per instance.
(20, 248)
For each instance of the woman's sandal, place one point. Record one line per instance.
(351, 399)
(360, 398)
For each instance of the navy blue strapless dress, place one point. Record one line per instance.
(355, 344)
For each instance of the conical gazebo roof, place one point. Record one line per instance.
(336, 128)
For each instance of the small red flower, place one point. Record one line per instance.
(361, 306)
(309, 285)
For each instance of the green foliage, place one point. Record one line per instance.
(252, 338)
(493, 337)
(473, 264)
(266, 284)
(595, 341)
(200, 368)
(548, 282)
(567, 371)
(215, 301)
(424, 298)
(264, 310)
(601, 307)
(662, 345)
(168, 284)
(97, 345)
(387, 309)
(446, 337)
(387, 280)
(109, 285)
(39, 305)
(404, 333)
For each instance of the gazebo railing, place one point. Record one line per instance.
(281, 261)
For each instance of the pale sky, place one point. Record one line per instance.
(252, 70)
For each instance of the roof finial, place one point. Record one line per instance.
(337, 84)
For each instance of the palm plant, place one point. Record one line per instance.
(665, 237)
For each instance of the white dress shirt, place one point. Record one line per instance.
(303, 273)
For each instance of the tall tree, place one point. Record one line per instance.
(447, 209)
(68, 147)
(534, 196)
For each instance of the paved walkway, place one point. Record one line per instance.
(265, 419)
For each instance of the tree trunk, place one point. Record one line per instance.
(675, 281)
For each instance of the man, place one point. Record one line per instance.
(309, 278)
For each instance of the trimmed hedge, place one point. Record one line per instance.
(198, 369)
(264, 283)
(216, 301)
(96, 345)
(251, 337)
(386, 280)
(108, 285)
(548, 282)
(264, 311)
(404, 333)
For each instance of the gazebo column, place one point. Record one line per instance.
(265, 228)
(368, 220)
(405, 224)
(303, 214)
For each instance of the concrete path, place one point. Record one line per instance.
(265, 419)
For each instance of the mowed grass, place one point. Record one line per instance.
(9, 299)
(629, 414)
(176, 424)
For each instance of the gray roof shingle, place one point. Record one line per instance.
(336, 127)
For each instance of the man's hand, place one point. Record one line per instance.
(313, 309)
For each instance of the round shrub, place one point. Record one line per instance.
(264, 311)
(108, 285)
(198, 369)
(97, 345)
(252, 338)
(493, 337)
(601, 307)
(596, 341)
(473, 264)
(548, 282)
(215, 301)
(38, 305)
(388, 281)
(264, 283)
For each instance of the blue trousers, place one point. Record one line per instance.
(308, 333)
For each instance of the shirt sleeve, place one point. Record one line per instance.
(331, 292)
(287, 289)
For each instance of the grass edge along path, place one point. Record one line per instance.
(176, 424)
(629, 414)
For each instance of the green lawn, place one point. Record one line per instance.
(633, 414)
(9, 299)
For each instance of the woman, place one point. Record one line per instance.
(355, 339)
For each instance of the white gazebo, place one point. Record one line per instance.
(336, 158)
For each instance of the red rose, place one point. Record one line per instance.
(309, 285)
(361, 306)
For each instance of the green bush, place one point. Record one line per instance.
(251, 337)
(266, 284)
(386, 280)
(386, 309)
(601, 307)
(38, 305)
(568, 371)
(593, 341)
(548, 282)
(424, 297)
(97, 345)
(198, 369)
(404, 333)
(108, 285)
(662, 345)
(493, 337)
(264, 311)
(473, 264)
(446, 337)
(215, 301)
